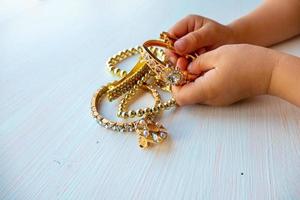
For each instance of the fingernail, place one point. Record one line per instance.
(180, 45)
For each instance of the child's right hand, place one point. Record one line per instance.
(233, 72)
(198, 34)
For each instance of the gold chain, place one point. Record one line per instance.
(146, 111)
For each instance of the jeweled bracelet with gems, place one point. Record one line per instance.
(151, 72)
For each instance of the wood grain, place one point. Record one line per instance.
(52, 56)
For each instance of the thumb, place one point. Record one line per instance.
(202, 63)
(191, 93)
(193, 41)
(182, 63)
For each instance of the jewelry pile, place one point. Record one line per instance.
(151, 72)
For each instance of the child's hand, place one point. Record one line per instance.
(235, 72)
(198, 34)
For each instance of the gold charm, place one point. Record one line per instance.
(150, 132)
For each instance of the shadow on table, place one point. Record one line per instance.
(257, 112)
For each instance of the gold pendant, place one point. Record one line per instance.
(150, 132)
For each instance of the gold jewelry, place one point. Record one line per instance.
(142, 75)
(115, 90)
(163, 69)
(170, 40)
(122, 55)
(157, 108)
(148, 131)
(116, 126)
(113, 61)
(119, 57)
(140, 112)
(135, 78)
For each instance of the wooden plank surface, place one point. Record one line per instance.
(52, 58)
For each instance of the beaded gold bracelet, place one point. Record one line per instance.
(142, 111)
(146, 111)
(119, 57)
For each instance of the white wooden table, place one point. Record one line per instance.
(52, 56)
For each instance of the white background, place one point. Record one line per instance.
(52, 58)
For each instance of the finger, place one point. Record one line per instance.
(190, 93)
(202, 63)
(201, 51)
(193, 41)
(186, 25)
(182, 63)
(171, 56)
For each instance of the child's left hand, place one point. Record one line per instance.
(235, 72)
